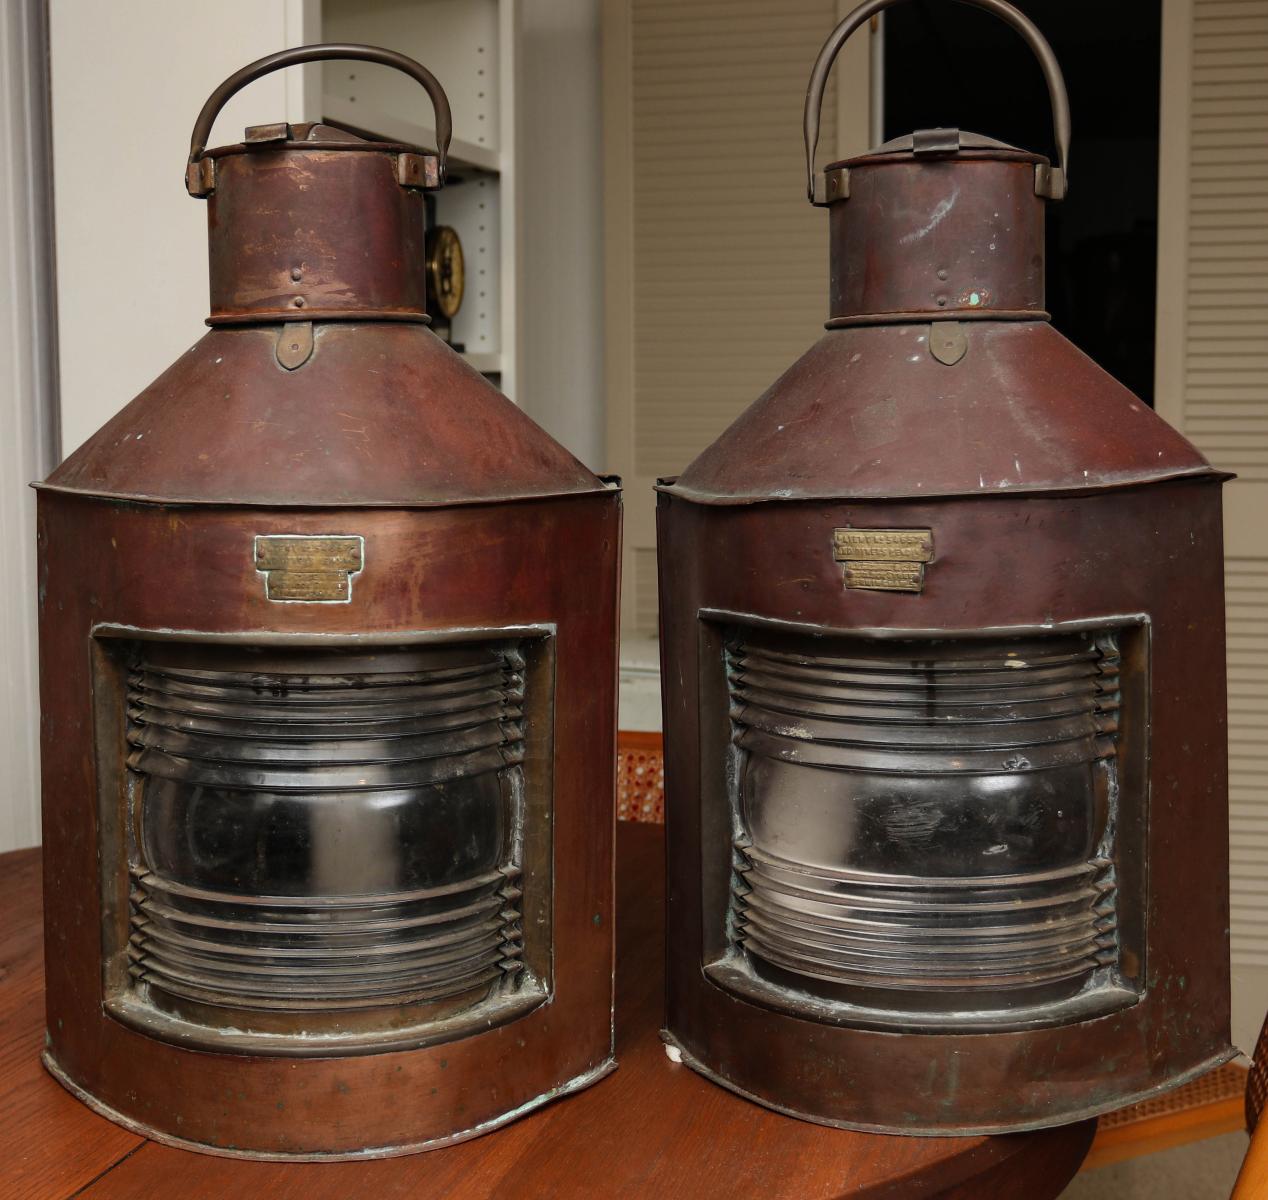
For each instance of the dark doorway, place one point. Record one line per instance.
(948, 64)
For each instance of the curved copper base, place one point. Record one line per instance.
(1064, 1117)
(576, 1084)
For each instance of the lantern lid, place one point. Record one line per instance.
(311, 221)
(941, 143)
(311, 135)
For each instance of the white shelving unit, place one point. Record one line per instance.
(523, 79)
(470, 46)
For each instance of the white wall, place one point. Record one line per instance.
(560, 179)
(28, 432)
(128, 79)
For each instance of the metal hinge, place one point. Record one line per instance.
(1049, 182)
(200, 177)
(833, 186)
(418, 171)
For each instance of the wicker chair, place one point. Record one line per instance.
(1252, 1181)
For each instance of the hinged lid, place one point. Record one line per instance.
(313, 222)
(1050, 181)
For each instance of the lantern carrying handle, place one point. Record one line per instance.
(1052, 183)
(322, 53)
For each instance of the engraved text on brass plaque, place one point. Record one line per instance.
(306, 568)
(884, 560)
(885, 576)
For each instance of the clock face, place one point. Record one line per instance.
(444, 271)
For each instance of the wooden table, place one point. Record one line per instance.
(652, 1129)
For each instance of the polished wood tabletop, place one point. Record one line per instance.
(652, 1129)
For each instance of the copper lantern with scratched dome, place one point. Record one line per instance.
(943, 644)
(328, 674)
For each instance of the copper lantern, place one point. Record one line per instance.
(328, 673)
(943, 645)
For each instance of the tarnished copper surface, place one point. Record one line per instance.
(328, 665)
(936, 237)
(382, 413)
(947, 830)
(303, 259)
(869, 413)
(449, 569)
(1000, 563)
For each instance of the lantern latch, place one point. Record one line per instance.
(834, 186)
(935, 141)
(277, 131)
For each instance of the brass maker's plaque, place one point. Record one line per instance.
(884, 560)
(305, 568)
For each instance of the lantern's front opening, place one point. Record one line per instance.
(931, 833)
(323, 848)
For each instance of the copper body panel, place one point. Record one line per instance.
(371, 499)
(190, 569)
(1001, 563)
(943, 671)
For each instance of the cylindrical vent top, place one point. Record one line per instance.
(311, 222)
(955, 235)
(315, 229)
(938, 224)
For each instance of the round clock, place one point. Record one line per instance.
(444, 271)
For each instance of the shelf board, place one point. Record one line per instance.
(340, 111)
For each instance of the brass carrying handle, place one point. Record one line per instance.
(333, 50)
(1000, 8)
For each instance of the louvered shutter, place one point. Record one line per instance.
(716, 269)
(1213, 384)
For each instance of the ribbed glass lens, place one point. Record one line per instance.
(317, 831)
(925, 826)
